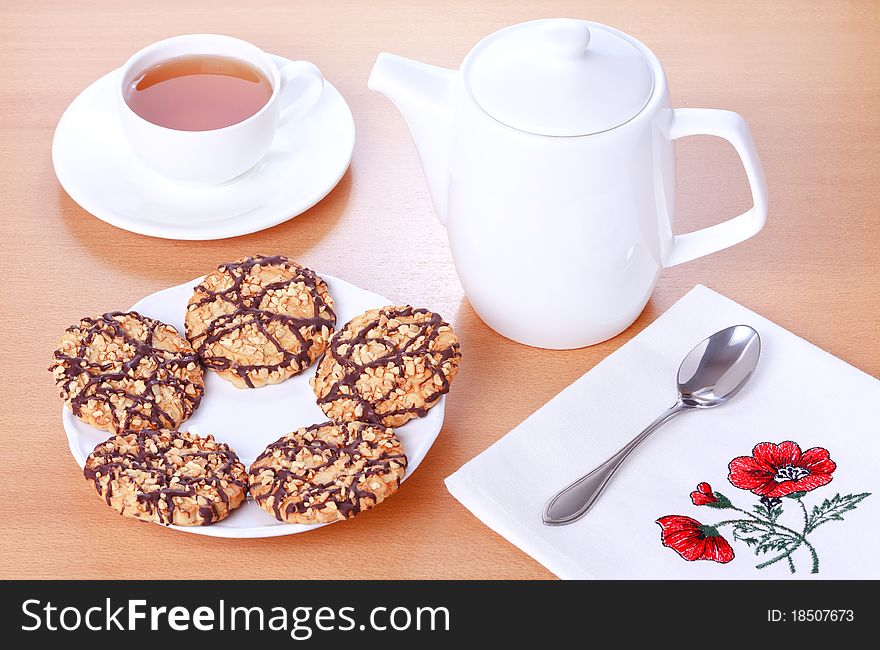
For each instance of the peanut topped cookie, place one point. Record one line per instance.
(387, 366)
(260, 320)
(168, 477)
(123, 371)
(327, 472)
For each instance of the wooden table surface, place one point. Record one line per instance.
(804, 74)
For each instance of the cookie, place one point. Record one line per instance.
(123, 371)
(387, 366)
(260, 320)
(168, 477)
(327, 472)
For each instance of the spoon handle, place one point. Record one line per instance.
(572, 502)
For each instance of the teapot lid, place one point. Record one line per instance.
(560, 77)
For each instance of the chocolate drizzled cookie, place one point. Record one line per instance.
(260, 320)
(387, 366)
(167, 477)
(123, 371)
(327, 472)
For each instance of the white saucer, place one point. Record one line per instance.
(99, 171)
(248, 420)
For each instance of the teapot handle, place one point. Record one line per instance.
(733, 128)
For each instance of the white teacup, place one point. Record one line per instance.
(218, 155)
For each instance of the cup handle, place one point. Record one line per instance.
(733, 128)
(294, 106)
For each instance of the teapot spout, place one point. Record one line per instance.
(423, 94)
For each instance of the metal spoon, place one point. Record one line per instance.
(710, 375)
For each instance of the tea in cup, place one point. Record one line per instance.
(204, 108)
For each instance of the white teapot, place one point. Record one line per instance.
(549, 158)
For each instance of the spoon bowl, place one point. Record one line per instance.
(718, 367)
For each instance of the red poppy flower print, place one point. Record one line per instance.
(703, 495)
(772, 472)
(777, 470)
(693, 540)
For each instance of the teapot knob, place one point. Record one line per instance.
(566, 35)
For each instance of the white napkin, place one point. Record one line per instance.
(798, 393)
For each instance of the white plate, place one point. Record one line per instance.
(96, 167)
(248, 420)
